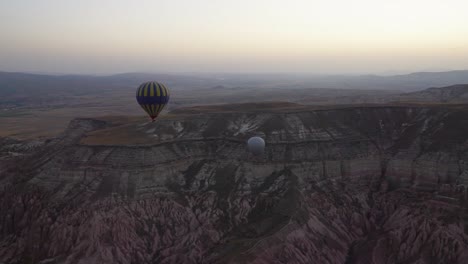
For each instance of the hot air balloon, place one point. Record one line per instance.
(256, 145)
(152, 97)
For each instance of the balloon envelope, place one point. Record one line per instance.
(256, 145)
(152, 97)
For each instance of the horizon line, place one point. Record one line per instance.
(191, 73)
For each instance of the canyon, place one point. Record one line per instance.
(348, 184)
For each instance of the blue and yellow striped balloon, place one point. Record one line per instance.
(152, 97)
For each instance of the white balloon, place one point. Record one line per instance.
(256, 145)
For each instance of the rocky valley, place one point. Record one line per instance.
(357, 184)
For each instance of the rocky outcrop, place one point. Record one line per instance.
(450, 94)
(350, 185)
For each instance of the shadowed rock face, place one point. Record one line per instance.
(355, 185)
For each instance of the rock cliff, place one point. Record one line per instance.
(351, 185)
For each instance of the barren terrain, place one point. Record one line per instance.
(356, 184)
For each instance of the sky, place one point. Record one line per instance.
(241, 36)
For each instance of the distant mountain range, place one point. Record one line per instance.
(449, 94)
(33, 90)
(10, 81)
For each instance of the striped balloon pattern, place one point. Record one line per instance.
(152, 97)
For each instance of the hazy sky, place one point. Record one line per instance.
(316, 36)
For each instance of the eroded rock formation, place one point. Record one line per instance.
(351, 185)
